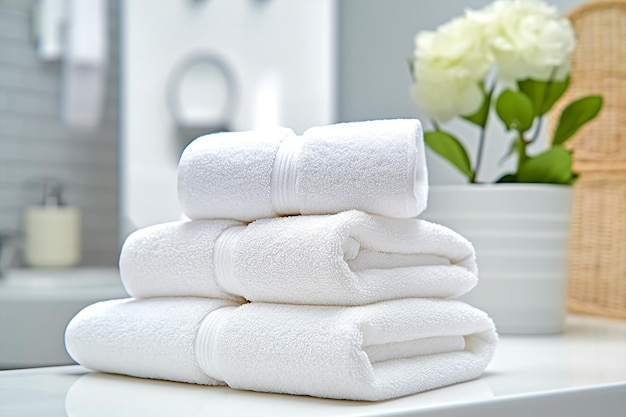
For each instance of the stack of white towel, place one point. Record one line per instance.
(346, 296)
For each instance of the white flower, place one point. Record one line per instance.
(449, 65)
(447, 97)
(529, 39)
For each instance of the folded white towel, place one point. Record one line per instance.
(375, 166)
(342, 259)
(370, 352)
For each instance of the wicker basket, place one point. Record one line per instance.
(597, 280)
(597, 277)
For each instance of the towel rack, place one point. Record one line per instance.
(205, 69)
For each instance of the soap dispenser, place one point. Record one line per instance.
(52, 230)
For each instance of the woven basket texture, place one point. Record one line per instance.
(597, 269)
(599, 67)
(597, 277)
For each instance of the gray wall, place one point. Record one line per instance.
(35, 144)
(376, 42)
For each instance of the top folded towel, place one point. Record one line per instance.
(375, 166)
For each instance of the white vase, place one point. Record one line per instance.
(521, 236)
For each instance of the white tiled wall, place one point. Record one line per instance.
(34, 143)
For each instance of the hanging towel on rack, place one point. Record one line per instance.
(342, 259)
(85, 63)
(371, 352)
(375, 166)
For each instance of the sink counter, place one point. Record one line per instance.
(37, 304)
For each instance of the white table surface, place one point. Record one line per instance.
(579, 373)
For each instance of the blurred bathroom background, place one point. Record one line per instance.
(35, 143)
(102, 95)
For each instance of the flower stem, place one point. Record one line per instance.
(522, 150)
(483, 133)
(537, 129)
(479, 157)
(546, 94)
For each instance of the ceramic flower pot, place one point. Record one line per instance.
(521, 236)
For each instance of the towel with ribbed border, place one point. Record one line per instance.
(370, 352)
(347, 258)
(375, 166)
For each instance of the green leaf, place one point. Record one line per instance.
(450, 148)
(480, 117)
(575, 116)
(552, 166)
(506, 178)
(516, 110)
(543, 94)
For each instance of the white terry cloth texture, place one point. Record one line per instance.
(371, 352)
(151, 340)
(375, 166)
(348, 258)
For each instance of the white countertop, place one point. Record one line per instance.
(63, 284)
(579, 373)
(30, 297)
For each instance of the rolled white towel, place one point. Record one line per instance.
(342, 259)
(370, 352)
(375, 166)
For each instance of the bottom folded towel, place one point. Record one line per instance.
(371, 352)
